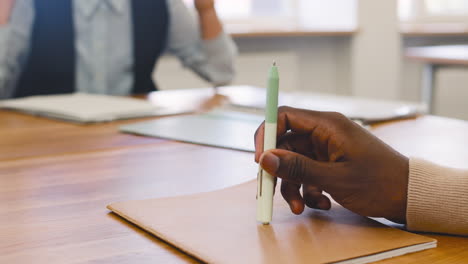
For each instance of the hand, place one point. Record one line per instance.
(324, 151)
(6, 6)
(204, 5)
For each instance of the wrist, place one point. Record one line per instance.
(399, 198)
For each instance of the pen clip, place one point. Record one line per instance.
(259, 181)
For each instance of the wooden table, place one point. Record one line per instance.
(56, 179)
(435, 57)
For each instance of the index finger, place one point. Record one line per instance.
(258, 138)
(294, 119)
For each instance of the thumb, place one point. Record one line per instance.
(298, 168)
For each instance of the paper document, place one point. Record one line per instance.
(84, 108)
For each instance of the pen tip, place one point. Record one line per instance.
(274, 63)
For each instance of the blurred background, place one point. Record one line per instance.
(346, 47)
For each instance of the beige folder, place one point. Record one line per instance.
(220, 227)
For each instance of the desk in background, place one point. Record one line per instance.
(56, 179)
(435, 30)
(435, 57)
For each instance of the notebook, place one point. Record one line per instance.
(86, 108)
(219, 128)
(220, 227)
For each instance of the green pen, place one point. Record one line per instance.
(266, 182)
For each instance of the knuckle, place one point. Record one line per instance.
(337, 116)
(338, 120)
(283, 109)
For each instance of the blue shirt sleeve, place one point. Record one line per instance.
(213, 60)
(14, 45)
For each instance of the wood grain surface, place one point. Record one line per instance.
(56, 179)
(24, 136)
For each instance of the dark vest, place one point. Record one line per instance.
(50, 67)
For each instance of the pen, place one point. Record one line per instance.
(266, 182)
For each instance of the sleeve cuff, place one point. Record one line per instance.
(437, 198)
(219, 44)
(221, 52)
(4, 31)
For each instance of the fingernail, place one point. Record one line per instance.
(269, 162)
(296, 207)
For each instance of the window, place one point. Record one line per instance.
(309, 13)
(228, 9)
(427, 11)
(446, 7)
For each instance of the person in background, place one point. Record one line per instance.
(326, 152)
(106, 46)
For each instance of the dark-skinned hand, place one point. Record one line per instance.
(327, 152)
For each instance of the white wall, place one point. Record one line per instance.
(451, 95)
(252, 69)
(318, 64)
(376, 51)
